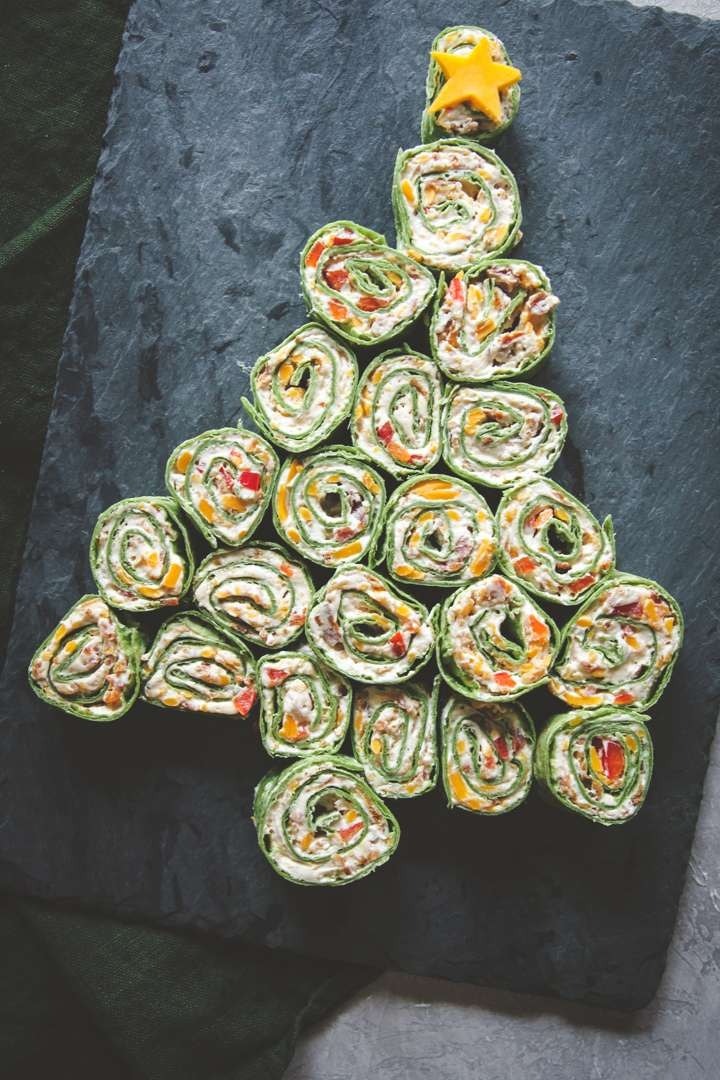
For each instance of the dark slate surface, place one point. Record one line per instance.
(236, 129)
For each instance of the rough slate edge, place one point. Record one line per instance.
(123, 777)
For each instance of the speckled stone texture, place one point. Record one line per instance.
(235, 130)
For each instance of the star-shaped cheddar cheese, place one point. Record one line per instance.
(474, 78)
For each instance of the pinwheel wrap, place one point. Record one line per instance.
(487, 755)
(438, 531)
(190, 665)
(396, 418)
(596, 763)
(256, 593)
(492, 321)
(551, 543)
(619, 649)
(329, 505)
(394, 738)
(454, 204)
(318, 822)
(495, 435)
(462, 121)
(223, 480)
(364, 290)
(140, 555)
(367, 630)
(303, 388)
(89, 665)
(494, 642)
(305, 707)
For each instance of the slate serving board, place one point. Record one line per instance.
(236, 128)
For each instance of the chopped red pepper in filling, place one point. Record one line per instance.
(371, 303)
(336, 278)
(624, 698)
(518, 742)
(385, 432)
(456, 289)
(342, 240)
(314, 253)
(501, 747)
(524, 565)
(348, 831)
(634, 609)
(556, 415)
(581, 583)
(397, 643)
(612, 757)
(244, 701)
(344, 532)
(276, 675)
(504, 678)
(250, 479)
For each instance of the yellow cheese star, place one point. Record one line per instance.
(474, 78)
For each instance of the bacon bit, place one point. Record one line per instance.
(226, 477)
(276, 675)
(371, 303)
(250, 479)
(634, 609)
(112, 698)
(337, 240)
(314, 253)
(508, 339)
(348, 831)
(338, 312)
(501, 747)
(397, 643)
(556, 415)
(385, 432)
(336, 278)
(504, 678)
(244, 701)
(624, 698)
(456, 288)
(297, 619)
(344, 533)
(582, 583)
(524, 565)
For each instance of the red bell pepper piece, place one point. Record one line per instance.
(250, 479)
(244, 701)
(371, 303)
(385, 432)
(397, 643)
(456, 289)
(276, 675)
(348, 831)
(336, 278)
(501, 747)
(313, 255)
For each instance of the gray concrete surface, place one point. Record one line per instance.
(409, 1028)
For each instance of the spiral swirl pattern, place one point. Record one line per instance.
(493, 321)
(551, 543)
(361, 288)
(192, 666)
(329, 506)
(462, 121)
(494, 642)
(620, 647)
(438, 531)
(495, 435)
(454, 204)
(487, 755)
(394, 738)
(303, 388)
(257, 593)
(367, 630)
(223, 480)
(597, 764)
(305, 707)
(396, 419)
(318, 822)
(89, 665)
(140, 554)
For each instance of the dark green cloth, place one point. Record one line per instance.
(83, 994)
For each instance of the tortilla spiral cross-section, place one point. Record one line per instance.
(319, 823)
(89, 665)
(596, 763)
(487, 755)
(304, 706)
(394, 738)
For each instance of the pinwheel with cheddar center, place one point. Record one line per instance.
(319, 823)
(329, 505)
(140, 554)
(305, 707)
(192, 666)
(619, 649)
(303, 388)
(89, 665)
(551, 543)
(367, 630)
(596, 763)
(223, 480)
(396, 417)
(454, 204)
(494, 642)
(438, 531)
(394, 738)
(364, 290)
(492, 321)
(497, 434)
(257, 593)
(487, 755)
